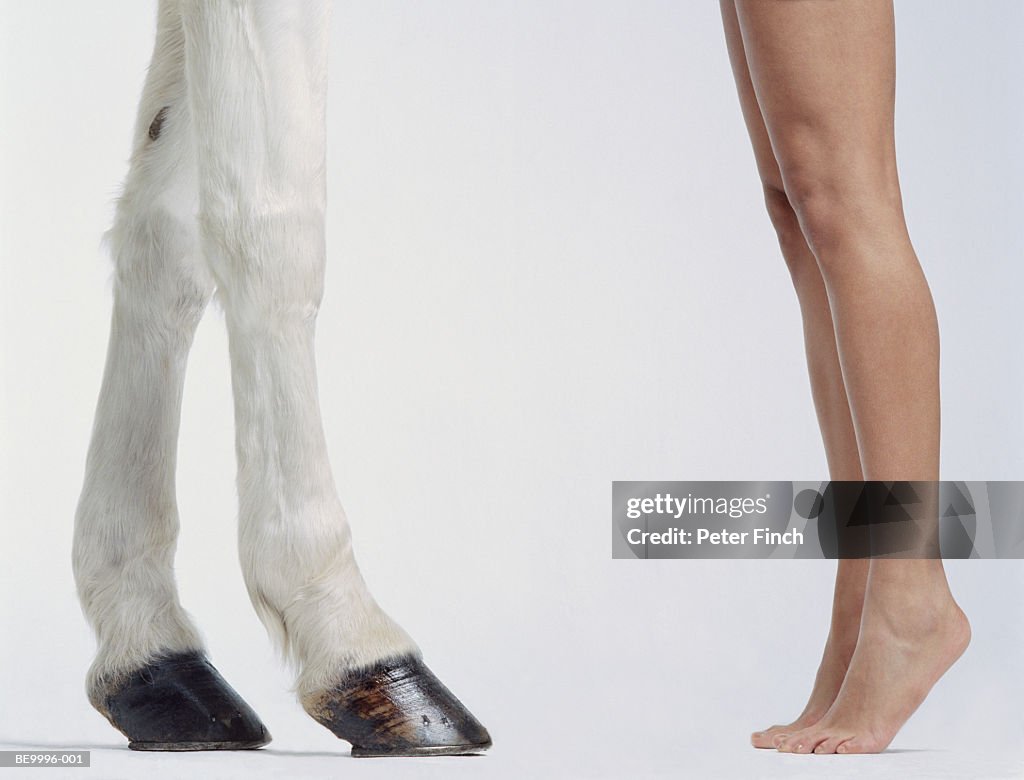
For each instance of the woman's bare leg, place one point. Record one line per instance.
(827, 389)
(824, 77)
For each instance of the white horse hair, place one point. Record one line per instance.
(225, 193)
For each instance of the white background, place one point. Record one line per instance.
(549, 268)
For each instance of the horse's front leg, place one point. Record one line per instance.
(257, 86)
(151, 678)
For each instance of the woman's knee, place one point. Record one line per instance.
(836, 204)
(799, 260)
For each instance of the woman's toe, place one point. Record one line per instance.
(763, 739)
(829, 744)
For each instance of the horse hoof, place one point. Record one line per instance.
(180, 702)
(398, 708)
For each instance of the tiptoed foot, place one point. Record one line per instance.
(827, 683)
(901, 654)
(180, 702)
(847, 606)
(398, 708)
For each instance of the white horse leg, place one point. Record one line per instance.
(127, 522)
(256, 75)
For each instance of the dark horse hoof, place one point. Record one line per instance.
(180, 702)
(398, 708)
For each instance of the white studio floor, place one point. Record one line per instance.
(623, 695)
(321, 759)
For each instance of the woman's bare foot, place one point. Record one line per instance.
(828, 681)
(912, 632)
(848, 601)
